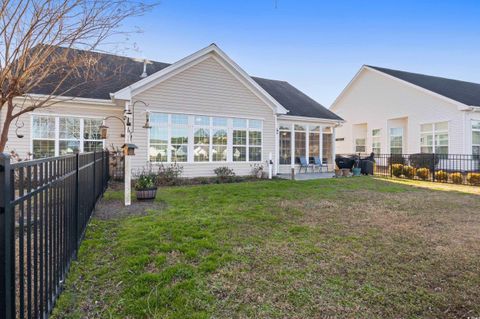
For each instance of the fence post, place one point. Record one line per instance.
(390, 162)
(77, 202)
(94, 179)
(7, 241)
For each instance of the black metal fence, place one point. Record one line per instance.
(45, 206)
(444, 168)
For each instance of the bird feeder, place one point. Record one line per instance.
(129, 149)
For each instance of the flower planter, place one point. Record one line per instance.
(146, 194)
(357, 171)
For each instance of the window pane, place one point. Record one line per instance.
(239, 123)
(69, 128)
(179, 119)
(179, 135)
(426, 127)
(43, 148)
(255, 138)
(376, 132)
(360, 145)
(285, 145)
(202, 120)
(327, 148)
(43, 127)
(398, 131)
(219, 137)
(476, 138)
(442, 126)
(441, 149)
(91, 129)
(219, 121)
(159, 135)
(219, 153)
(200, 153)
(255, 154)
(327, 130)
(476, 125)
(441, 139)
(202, 136)
(179, 153)
(284, 127)
(239, 137)
(69, 147)
(255, 124)
(300, 144)
(158, 118)
(314, 128)
(299, 127)
(158, 153)
(91, 146)
(476, 150)
(426, 139)
(426, 149)
(239, 153)
(314, 145)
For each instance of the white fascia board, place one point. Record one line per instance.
(309, 119)
(81, 100)
(458, 104)
(191, 60)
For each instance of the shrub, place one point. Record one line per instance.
(224, 174)
(473, 178)
(170, 174)
(423, 173)
(397, 170)
(257, 171)
(456, 178)
(441, 176)
(422, 160)
(409, 171)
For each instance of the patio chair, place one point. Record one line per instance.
(318, 163)
(304, 164)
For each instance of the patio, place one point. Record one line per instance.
(307, 176)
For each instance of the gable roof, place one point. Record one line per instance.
(119, 73)
(464, 92)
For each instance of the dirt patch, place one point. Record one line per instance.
(113, 209)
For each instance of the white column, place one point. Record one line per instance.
(128, 165)
(321, 144)
(333, 144)
(292, 145)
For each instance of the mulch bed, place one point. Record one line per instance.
(113, 209)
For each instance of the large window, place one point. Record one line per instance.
(58, 135)
(476, 137)
(313, 143)
(300, 142)
(376, 141)
(209, 139)
(360, 145)
(434, 138)
(396, 140)
(327, 145)
(285, 144)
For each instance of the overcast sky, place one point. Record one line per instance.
(318, 46)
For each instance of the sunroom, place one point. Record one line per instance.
(313, 141)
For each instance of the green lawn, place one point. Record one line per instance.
(336, 248)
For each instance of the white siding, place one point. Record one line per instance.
(379, 101)
(67, 108)
(206, 88)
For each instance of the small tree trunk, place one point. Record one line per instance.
(6, 125)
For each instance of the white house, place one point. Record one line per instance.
(390, 111)
(202, 112)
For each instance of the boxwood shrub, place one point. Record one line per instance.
(456, 178)
(423, 173)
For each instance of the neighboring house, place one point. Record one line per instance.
(389, 111)
(204, 112)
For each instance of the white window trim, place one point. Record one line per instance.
(57, 131)
(471, 134)
(434, 133)
(191, 132)
(377, 138)
(360, 145)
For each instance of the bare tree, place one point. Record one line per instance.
(44, 44)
